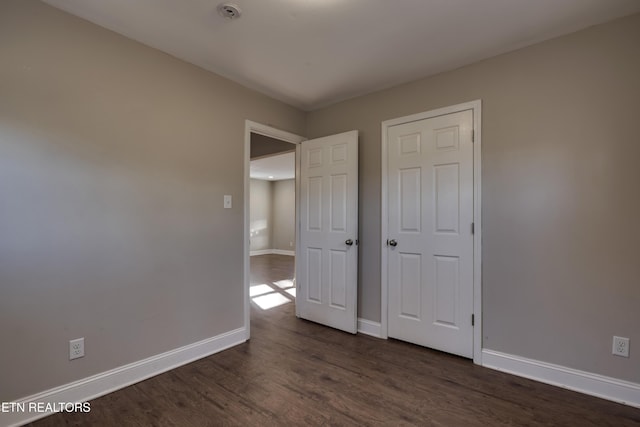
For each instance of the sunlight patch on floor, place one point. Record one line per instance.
(256, 290)
(283, 284)
(274, 294)
(268, 301)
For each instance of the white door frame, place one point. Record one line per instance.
(476, 107)
(249, 128)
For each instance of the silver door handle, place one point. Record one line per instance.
(392, 242)
(348, 242)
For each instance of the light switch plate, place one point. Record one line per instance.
(227, 201)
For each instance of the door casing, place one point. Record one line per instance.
(249, 128)
(475, 106)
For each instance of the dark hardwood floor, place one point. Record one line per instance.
(295, 372)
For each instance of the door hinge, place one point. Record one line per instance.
(473, 135)
(473, 228)
(473, 320)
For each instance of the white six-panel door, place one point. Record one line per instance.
(430, 215)
(327, 259)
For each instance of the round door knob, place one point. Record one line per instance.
(348, 242)
(393, 243)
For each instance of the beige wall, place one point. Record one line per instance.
(272, 214)
(284, 215)
(260, 215)
(560, 200)
(111, 186)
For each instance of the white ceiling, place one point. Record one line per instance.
(274, 168)
(311, 53)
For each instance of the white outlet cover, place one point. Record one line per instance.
(227, 201)
(76, 348)
(620, 346)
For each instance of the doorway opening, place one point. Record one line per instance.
(272, 221)
(270, 218)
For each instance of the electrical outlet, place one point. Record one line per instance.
(76, 348)
(620, 346)
(227, 201)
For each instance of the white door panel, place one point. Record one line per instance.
(430, 211)
(328, 264)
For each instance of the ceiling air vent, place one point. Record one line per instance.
(229, 10)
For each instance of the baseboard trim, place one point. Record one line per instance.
(260, 252)
(283, 252)
(106, 382)
(272, 252)
(368, 327)
(620, 391)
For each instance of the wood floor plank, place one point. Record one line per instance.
(293, 372)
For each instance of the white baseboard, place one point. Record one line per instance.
(597, 385)
(272, 252)
(368, 327)
(123, 376)
(260, 252)
(283, 252)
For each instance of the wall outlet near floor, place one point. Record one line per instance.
(76, 348)
(620, 346)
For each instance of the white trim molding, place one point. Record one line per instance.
(283, 252)
(620, 391)
(106, 382)
(368, 327)
(272, 252)
(261, 252)
(476, 107)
